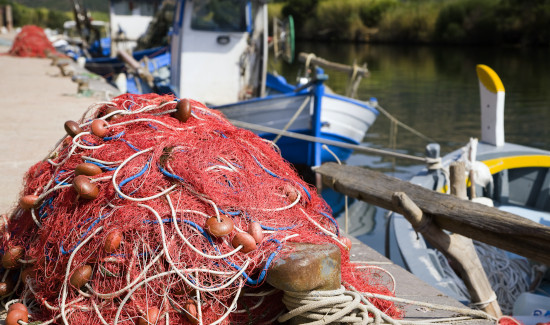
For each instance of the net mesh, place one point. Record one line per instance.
(160, 179)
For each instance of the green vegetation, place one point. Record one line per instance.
(525, 22)
(23, 15)
(422, 21)
(66, 5)
(409, 22)
(44, 17)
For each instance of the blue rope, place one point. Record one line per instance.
(191, 223)
(141, 172)
(118, 136)
(114, 137)
(230, 213)
(130, 145)
(276, 229)
(261, 277)
(236, 213)
(100, 165)
(56, 179)
(167, 173)
(205, 234)
(265, 169)
(333, 221)
(64, 252)
(228, 182)
(131, 103)
(88, 142)
(41, 213)
(305, 190)
(276, 176)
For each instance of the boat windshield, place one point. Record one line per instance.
(219, 15)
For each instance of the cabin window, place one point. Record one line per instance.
(219, 15)
(524, 186)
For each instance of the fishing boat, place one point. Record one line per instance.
(511, 177)
(128, 22)
(72, 43)
(219, 55)
(95, 45)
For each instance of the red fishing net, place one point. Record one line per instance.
(508, 320)
(32, 42)
(162, 220)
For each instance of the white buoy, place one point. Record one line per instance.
(491, 92)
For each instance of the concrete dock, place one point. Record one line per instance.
(36, 101)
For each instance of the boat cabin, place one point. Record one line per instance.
(219, 50)
(129, 20)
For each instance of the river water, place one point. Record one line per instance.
(434, 90)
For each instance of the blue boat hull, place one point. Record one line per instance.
(309, 112)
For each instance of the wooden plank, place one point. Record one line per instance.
(485, 224)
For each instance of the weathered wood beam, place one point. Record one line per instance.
(459, 249)
(458, 180)
(485, 224)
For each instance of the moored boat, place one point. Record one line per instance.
(511, 177)
(218, 55)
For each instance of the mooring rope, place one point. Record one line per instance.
(398, 122)
(261, 128)
(293, 118)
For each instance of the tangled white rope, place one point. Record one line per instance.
(324, 307)
(353, 307)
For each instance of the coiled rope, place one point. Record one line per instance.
(353, 307)
(324, 307)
